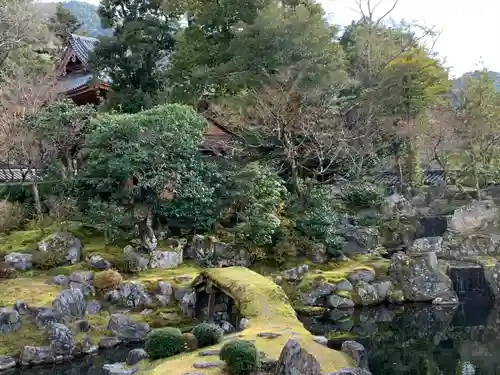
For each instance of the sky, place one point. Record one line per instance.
(469, 28)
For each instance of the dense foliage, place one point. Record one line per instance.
(164, 342)
(207, 334)
(241, 357)
(312, 114)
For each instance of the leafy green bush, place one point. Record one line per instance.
(164, 342)
(107, 280)
(362, 195)
(241, 356)
(109, 218)
(257, 196)
(318, 218)
(46, 260)
(207, 334)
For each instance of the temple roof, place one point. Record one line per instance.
(74, 81)
(83, 46)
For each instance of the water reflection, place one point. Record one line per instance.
(422, 339)
(89, 365)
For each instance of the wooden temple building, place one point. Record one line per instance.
(76, 80)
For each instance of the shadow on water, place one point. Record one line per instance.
(89, 365)
(421, 339)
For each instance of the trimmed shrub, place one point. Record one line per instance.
(164, 342)
(241, 357)
(190, 342)
(207, 334)
(45, 260)
(107, 280)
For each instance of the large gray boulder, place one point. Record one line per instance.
(476, 216)
(97, 262)
(6, 362)
(368, 294)
(317, 295)
(294, 359)
(65, 243)
(356, 351)
(70, 303)
(37, 355)
(62, 340)
(165, 259)
(10, 320)
(427, 244)
(419, 277)
(126, 329)
(131, 294)
(358, 239)
(19, 261)
(137, 260)
(208, 252)
(397, 205)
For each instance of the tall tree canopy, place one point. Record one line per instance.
(137, 53)
(63, 23)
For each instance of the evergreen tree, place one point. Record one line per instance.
(136, 55)
(63, 23)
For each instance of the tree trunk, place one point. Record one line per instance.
(38, 203)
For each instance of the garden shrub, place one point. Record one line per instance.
(257, 196)
(319, 218)
(11, 216)
(190, 342)
(46, 260)
(107, 280)
(241, 357)
(362, 195)
(207, 334)
(164, 342)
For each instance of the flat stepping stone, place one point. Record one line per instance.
(208, 364)
(269, 335)
(207, 353)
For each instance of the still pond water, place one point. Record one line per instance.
(423, 339)
(410, 340)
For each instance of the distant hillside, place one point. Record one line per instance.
(85, 12)
(459, 84)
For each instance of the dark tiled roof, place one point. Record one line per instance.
(73, 81)
(83, 46)
(430, 177)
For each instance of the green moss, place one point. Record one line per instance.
(98, 327)
(23, 240)
(67, 270)
(337, 274)
(267, 307)
(29, 334)
(342, 335)
(34, 291)
(165, 317)
(343, 293)
(487, 262)
(310, 310)
(181, 276)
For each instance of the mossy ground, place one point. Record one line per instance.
(339, 271)
(34, 291)
(268, 309)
